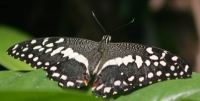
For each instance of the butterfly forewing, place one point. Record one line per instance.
(64, 59)
(128, 65)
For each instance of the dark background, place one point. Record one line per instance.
(168, 25)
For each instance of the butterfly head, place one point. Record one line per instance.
(106, 38)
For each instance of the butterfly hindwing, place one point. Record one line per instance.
(69, 73)
(137, 65)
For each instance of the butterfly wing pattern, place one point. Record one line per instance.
(60, 57)
(117, 66)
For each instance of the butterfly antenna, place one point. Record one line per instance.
(98, 22)
(123, 25)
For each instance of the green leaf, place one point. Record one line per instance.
(35, 85)
(44, 96)
(9, 37)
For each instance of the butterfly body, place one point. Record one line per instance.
(117, 66)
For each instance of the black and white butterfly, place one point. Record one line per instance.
(117, 66)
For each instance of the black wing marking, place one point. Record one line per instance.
(137, 65)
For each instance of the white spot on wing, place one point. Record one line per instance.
(112, 62)
(114, 92)
(104, 96)
(49, 45)
(15, 47)
(61, 84)
(35, 58)
(82, 59)
(175, 74)
(60, 40)
(56, 51)
(55, 75)
(167, 74)
(158, 73)
(14, 51)
(99, 87)
(174, 58)
(70, 84)
(63, 77)
(124, 83)
(17, 53)
(25, 49)
(73, 55)
(39, 63)
(107, 89)
(48, 50)
(47, 64)
(181, 73)
(117, 83)
(33, 41)
(141, 79)
(150, 75)
(149, 50)
(155, 63)
(22, 55)
(147, 62)
(79, 81)
(127, 59)
(153, 57)
(67, 52)
(96, 68)
(105, 64)
(138, 61)
(37, 47)
(53, 68)
(126, 89)
(186, 68)
(165, 51)
(163, 63)
(30, 55)
(45, 40)
(119, 61)
(41, 49)
(131, 78)
(122, 73)
(172, 68)
(163, 55)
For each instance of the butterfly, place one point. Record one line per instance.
(116, 66)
